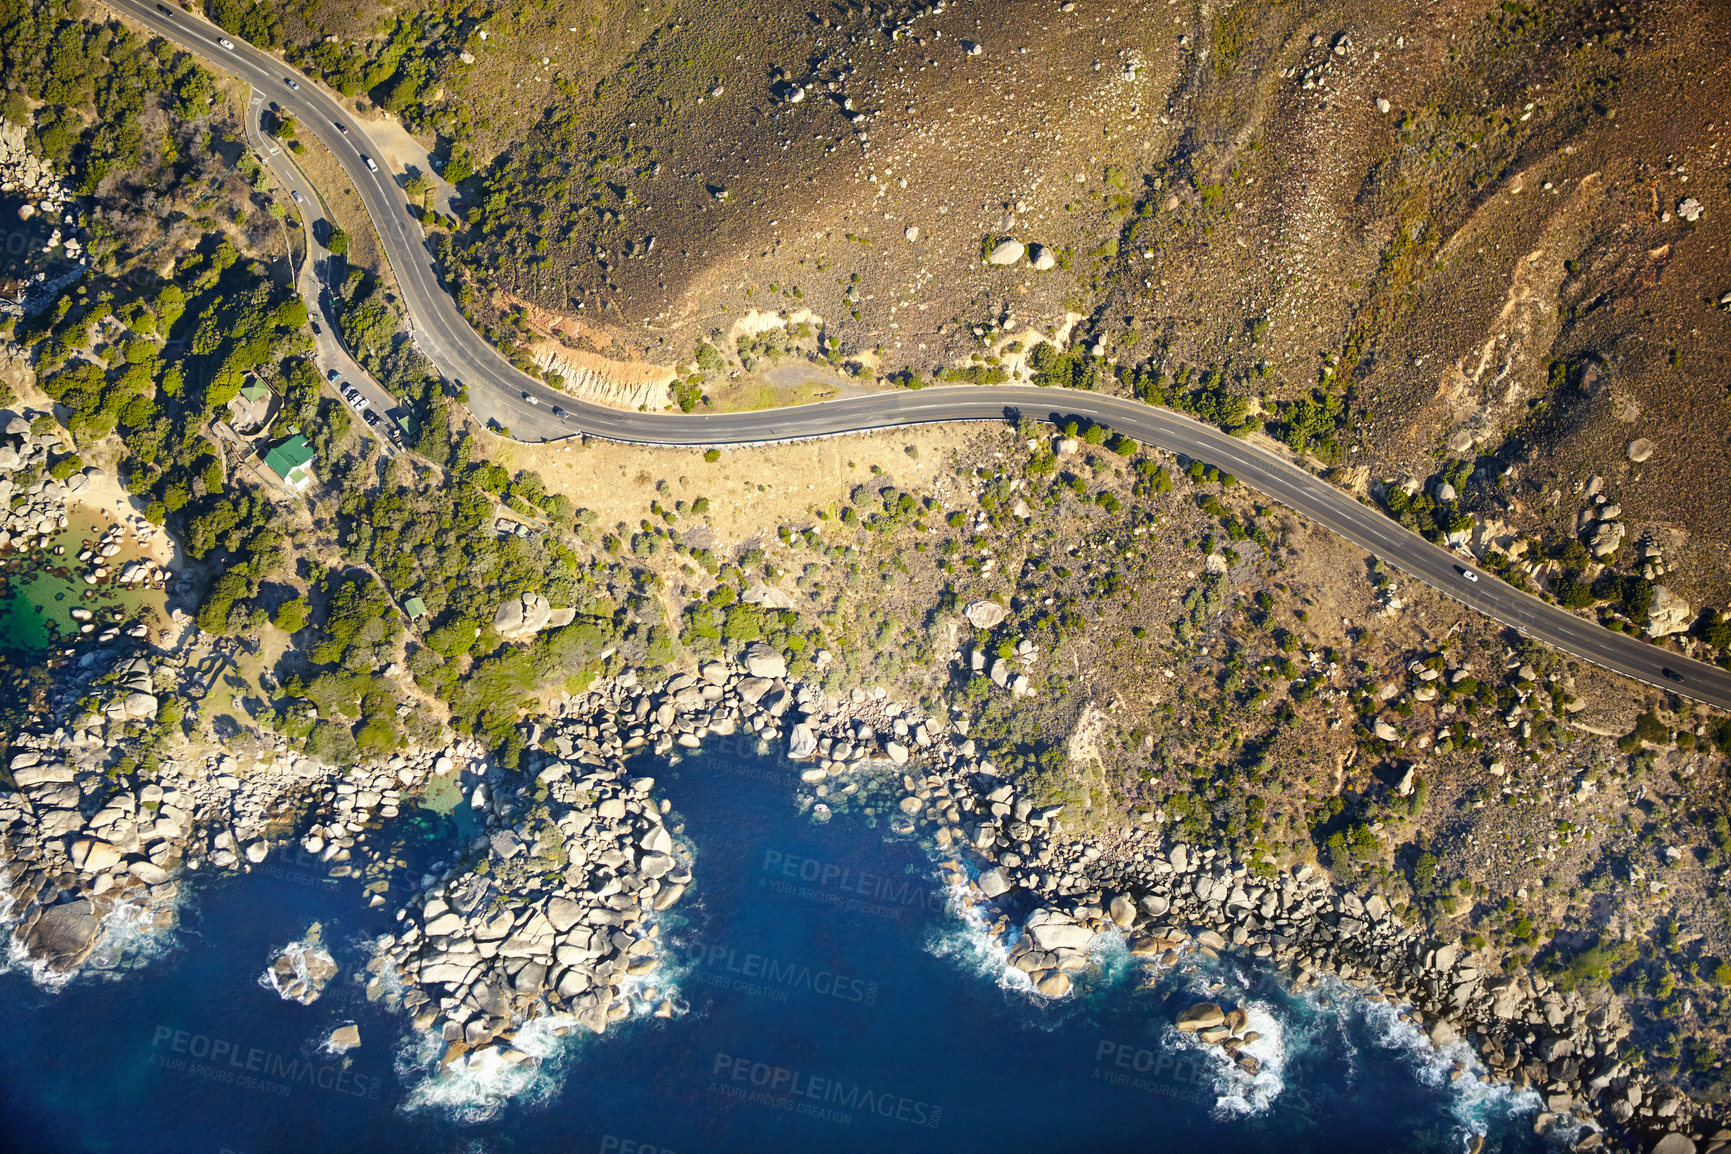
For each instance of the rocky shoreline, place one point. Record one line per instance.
(549, 912)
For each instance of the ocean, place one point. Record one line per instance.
(831, 996)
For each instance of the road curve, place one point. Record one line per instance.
(497, 392)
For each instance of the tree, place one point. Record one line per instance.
(338, 242)
(291, 616)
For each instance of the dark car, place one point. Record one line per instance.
(560, 413)
(316, 329)
(163, 8)
(371, 418)
(1671, 674)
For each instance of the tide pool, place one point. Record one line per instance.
(830, 998)
(39, 591)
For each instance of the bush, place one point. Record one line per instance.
(291, 616)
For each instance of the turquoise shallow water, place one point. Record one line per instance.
(39, 590)
(831, 1001)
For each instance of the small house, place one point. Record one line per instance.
(291, 461)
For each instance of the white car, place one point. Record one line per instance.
(1467, 573)
(227, 43)
(531, 398)
(299, 199)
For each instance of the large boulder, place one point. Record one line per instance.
(1674, 1143)
(763, 661)
(521, 618)
(65, 934)
(1640, 449)
(984, 614)
(801, 742)
(1006, 253)
(1669, 614)
(1052, 930)
(767, 597)
(1201, 1016)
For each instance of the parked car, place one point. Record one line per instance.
(331, 375)
(371, 417)
(316, 330)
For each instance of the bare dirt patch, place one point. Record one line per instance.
(749, 490)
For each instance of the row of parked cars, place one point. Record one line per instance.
(357, 401)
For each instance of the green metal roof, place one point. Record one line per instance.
(415, 607)
(254, 391)
(289, 456)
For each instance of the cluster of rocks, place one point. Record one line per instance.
(1000, 670)
(1221, 1027)
(1169, 901)
(355, 805)
(33, 523)
(79, 848)
(302, 969)
(1011, 252)
(76, 834)
(522, 617)
(551, 910)
(1560, 1043)
(33, 180)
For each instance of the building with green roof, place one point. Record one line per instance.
(292, 462)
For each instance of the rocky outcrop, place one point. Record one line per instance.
(552, 912)
(33, 181)
(1669, 614)
(985, 614)
(521, 618)
(302, 969)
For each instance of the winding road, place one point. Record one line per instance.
(498, 391)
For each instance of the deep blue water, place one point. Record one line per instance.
(832, 1002)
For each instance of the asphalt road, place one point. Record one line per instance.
(311, 279)
(498, 392)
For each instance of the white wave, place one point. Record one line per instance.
(1238, 1092)
(128, 939)
(311, 966)
(481, 1084)
(969, 941)
(1477, 1101)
